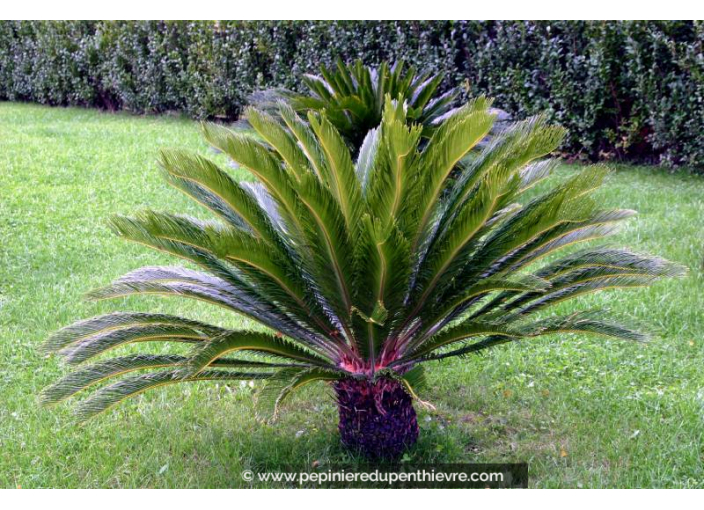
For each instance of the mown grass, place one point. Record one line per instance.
(583, 412)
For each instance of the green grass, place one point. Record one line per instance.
(583, 412)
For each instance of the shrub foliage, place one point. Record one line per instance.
(632, 91)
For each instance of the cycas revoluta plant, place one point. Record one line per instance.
(353, 95)
(366, 269)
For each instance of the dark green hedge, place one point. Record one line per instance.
(631, 91)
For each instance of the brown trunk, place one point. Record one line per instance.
(377, 419)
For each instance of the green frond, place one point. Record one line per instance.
(399, 150)
(177, 281)
(585, 287)
(617, 259)
(383, 267)
(84, 378)
(599, 225)
(566, 205)
(200, 292)
(274, 276)
(281, 140)
(367, 157)
(422, 93)
(450, 250)
(101, 342)
(352, 97)
(450, 143)
(226, 197)
(234, 341)
(305, 138)
(591, 322)
(330, 246)
(93, 374)
(506, 286)
(111, 395)
(284, 382)
(472, 348)
(438, 110)
(462, 332)
(254, 157)
(86, 328)
(414, 380)
(340, 175)
(536, 172)
(521, 144)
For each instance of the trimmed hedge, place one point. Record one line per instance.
(628, 91)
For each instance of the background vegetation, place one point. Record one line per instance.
(582, 411)
(629, 91)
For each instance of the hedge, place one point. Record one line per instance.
(624, 90)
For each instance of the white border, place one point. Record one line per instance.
(334, 500)
(355, 9)
(379, 10)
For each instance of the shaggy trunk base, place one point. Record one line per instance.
(377, 419)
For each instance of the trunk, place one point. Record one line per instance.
(377, 419)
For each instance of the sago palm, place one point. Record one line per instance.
(352, 97)
(365, 270)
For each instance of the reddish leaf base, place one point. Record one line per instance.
(377, 419)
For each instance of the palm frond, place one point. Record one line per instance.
(284, 382)
(181, 282)
(86, 328)
(111, 395)
(226, 197)
(98, 343)
(340, 175)
(384, 230)
(263, 343)
(352, 97)
(591, 322)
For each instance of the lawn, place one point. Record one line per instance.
(582, 411)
